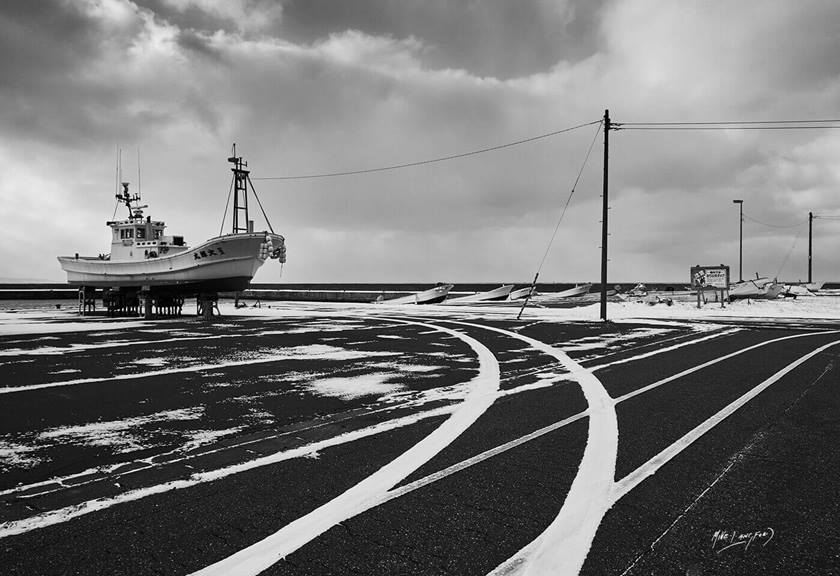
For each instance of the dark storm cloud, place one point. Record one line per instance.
(69, 79)
(190, 18)
(42, 38)
(497, 38)
(321, 86)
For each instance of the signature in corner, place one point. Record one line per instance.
(726, 539)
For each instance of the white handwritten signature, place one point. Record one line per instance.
(726, 539)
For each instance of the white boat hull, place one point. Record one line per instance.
(755, 289)
(522, 293)
(431, 296)
(573, 292)
(225, 263)
(500, 293)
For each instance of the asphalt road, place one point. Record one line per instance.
(165, 447)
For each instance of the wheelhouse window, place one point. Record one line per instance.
(126, 233)
(141, 233)
(157, 234)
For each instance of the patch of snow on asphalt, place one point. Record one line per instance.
(43, 323)
(199, 438)
(150, 362)
(326, 352)
(14, 455)
(604, 341)
(124, 435)
(356, 387)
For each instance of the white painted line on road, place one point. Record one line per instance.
(662, 350)
(65, 514)
(693, 369)
(650, 467)
(478, 458)
(70, 512)
(263, 554)
(14, 527)
(563, 546)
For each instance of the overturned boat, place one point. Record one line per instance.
(494, 295)
(579, 290)
(519, 293)
(761, 288)
(144, 257)
(431, 296)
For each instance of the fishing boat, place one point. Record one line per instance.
(500, 293)
(143, 256)
(431, 296)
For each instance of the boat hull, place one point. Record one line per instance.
(434, 295)
(500, 293)
(573, 292)
(225, 263)
(522, 293)
(755, 289)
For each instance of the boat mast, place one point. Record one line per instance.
(240, 191)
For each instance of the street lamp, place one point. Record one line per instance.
(740, 242)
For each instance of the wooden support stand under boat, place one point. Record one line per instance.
(206, 304)
(87, 300)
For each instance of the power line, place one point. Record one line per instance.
(732, 127)
(430, 161)
(750, 218)
(726, 122)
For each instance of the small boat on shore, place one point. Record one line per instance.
(500, 293)
(761, 288)
(431, 296)
(520, 293)
(143, 256)
(573, 292)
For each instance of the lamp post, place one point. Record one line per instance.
(740, 241)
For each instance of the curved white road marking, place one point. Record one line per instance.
(61, 515)
(563, 546)
(649, 468)
(366, 494)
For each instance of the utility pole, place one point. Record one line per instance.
(740, 241)
(810, 242)
(604, 219)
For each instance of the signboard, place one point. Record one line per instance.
(710, 277)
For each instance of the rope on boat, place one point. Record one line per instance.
(260, 204)
(227, 203)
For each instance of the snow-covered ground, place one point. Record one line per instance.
(821, 307)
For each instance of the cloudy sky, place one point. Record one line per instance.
(314, 86)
